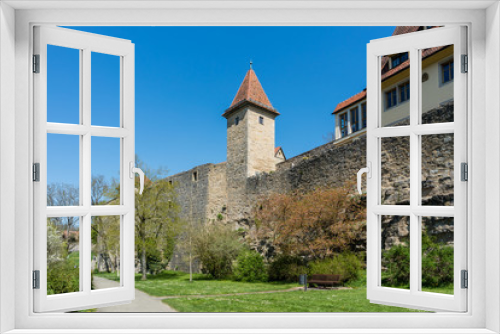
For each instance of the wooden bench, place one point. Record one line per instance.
(325, 280)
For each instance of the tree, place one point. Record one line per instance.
(186, 246)
(64, 194)
(216, 246)
(314, 224)
(105, 229)
(157, 222)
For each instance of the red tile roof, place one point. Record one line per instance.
(389, 73)
(276, 149)
(251, 91)
(353, 99)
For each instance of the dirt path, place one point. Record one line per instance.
(142, 303)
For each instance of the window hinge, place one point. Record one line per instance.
(36, 279)
(465, 279)
(36, 63)
(465, 64)
(36, 172)
(464, 171)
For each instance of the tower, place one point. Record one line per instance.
(250, 140)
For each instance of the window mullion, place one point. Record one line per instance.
(86, 174)
(414, 170)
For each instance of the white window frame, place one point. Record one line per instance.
(484, 213)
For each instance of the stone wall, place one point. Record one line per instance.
(216, 209)
(237, 163)
(331, 165)
(224, 193)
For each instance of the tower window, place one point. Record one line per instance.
(261, 120)
(195, 176)
(237, 120)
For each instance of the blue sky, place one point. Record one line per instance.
(187, 76)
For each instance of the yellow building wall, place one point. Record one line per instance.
(433, 92)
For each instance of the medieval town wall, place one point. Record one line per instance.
(329, 165)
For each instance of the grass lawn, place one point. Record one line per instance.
(295, 301)
(175, 283)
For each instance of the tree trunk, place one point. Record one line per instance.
(190, 262)
(143, 264)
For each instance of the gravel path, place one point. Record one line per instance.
(142, 302)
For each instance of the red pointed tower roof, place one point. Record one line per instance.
(251, 92)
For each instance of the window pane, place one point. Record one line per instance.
(105, 90)
(105, 171)
(363, 115)
(438, 169)
(393, 112)
(354, 119)
(63, 85)
(63, 256)
(437, 254)
(63, 170)
(437, 85)
(395, 171)
(343, 125)
(395, 245)
(105, 252)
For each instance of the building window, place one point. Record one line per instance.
(261, 120)
(404, 92)
(354, 119)
(237, 120)
(399, 59)
(391, 98)
(363, 115)
(195, 176)
(447, 71)
(343, 125)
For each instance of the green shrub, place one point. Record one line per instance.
(250, 267)
(437, 264)
(62, 277)
(347, 264)
(216, 246)
(396, 262)
(286, 268)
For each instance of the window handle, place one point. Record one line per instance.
(368, 171)
(135, 170)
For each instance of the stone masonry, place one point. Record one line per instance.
(227, 192)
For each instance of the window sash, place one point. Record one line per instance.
(86, 43)
(414, 43)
